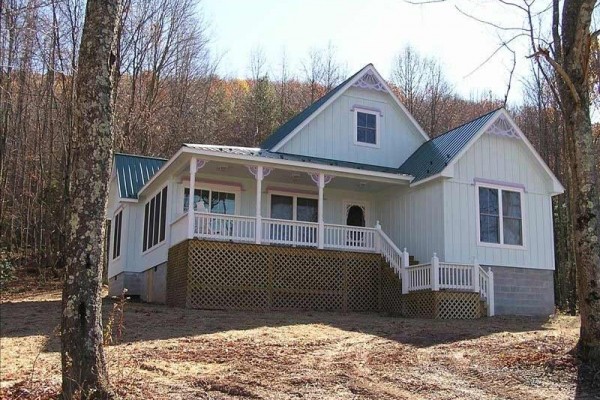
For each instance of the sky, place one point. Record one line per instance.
(371, 31)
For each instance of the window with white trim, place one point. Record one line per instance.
(500, 216)
(117, 227)
(212, 201)
(155, 219)
(367, 129)
(294, 208)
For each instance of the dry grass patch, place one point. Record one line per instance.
(168, 353)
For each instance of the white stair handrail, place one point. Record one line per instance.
(390, 251)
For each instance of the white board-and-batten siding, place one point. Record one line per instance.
(502, 160)
(331, 134)
(413, 218)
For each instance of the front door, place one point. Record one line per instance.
(355, 215)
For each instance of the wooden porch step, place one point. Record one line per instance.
(412, 261)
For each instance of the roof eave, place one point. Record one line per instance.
(252, 160)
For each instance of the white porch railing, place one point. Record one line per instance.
(457, 276)
(419, 277)
(224, 227)
(438, 275)
(343, 237)
(293, 233)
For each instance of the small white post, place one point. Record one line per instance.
(321, 234)
(404, 271)
(435, 273)
(191, 198)
(476, 287)
(378, 238)
(258, 227)
(491, 305)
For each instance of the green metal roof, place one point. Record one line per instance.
(287, 128)
(133, 172)
(434, 155)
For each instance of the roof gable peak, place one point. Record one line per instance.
(366, 78)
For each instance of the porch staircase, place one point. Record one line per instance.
(439, 289)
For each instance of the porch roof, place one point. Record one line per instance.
(179, 163)
(274, 155)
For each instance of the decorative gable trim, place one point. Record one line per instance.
(369, 81)
(368, 70)
(503, 127)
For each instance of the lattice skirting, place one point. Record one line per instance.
(442, 305)
(223, 275)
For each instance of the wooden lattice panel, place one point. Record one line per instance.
(223, 275)
(177, 274)
(442, 305)
(390, 290)
(362, 282)
(458, 305)
(419, 304)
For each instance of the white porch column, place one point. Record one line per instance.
(404, 273)
(435, 272)
(321, 234)
(475, 275)
(491, 301)
(258, 227)
(191, 198)
(321, 180)
(259, 173)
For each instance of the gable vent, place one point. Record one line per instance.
(502, 127)
(370, 81)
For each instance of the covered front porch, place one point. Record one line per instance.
(279, 202)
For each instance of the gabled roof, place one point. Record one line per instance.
(133, 172)
(293, 123)
(433, 156)
(274, 141)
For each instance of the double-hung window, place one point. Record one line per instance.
(117, 227)
(294, 208)
(210, 201)
(155, 218)
(213, 202)
(500, 215)
(367, 129)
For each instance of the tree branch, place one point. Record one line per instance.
(492, 24)
(559, 69)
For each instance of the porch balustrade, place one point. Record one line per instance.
(285, 232)
(438, 275)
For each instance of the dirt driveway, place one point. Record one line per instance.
(183, 354)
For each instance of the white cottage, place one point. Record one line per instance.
(334, 210)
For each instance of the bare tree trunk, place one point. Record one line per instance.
(83, 364)
(571, 65)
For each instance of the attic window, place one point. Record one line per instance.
(367, 127)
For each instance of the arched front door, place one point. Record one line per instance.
(355, 216)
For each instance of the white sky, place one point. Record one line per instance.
(370, 31)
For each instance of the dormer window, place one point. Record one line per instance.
(367, 127)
